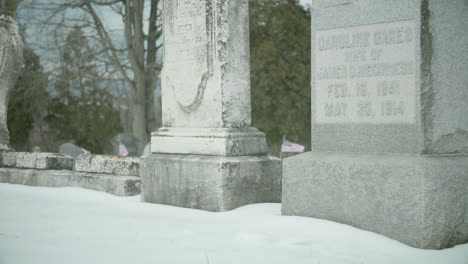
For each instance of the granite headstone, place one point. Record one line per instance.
(71, 150)
(389, 121)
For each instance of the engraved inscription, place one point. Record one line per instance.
(366, 74)
(188, 50)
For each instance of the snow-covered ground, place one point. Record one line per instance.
(72, 225)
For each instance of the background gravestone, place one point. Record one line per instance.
(71, 150)
(389, 121)
(207, 155)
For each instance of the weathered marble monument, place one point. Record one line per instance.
(207, 155)
(389, 121)
(11, 60)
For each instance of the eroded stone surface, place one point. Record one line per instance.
(447, 101)
(108, 164)
(210, 141)
(207, 110)
(418, 200)
(209, 182)
(205, 156)
(44, 161)
(116, 185)
(206, 42)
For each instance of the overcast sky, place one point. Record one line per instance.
(306, 2)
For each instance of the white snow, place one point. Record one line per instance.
(72, 225)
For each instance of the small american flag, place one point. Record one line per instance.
(289, 147)
(123, 150)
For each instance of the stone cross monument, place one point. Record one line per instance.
(389, 121)
(207, 155)
(11, 60)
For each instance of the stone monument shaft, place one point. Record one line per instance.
(207, 155)
(206, 80)
(11, 60)
(206, 71)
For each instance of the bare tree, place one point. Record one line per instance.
(133, 60)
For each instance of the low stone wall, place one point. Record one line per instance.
(112, 174)
(41, 161)
(127, 166)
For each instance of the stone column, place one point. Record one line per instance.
(11, 60)
(389, 121)
(207, 155)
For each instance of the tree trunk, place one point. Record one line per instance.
(139, 114)
(150, 86)
(141, 54)
(153, 116)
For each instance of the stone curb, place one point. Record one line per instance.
(116, 185)
(115, 165)
(41, 161)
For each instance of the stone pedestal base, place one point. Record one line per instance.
(245, 141)
(211, 183)
(421, 201)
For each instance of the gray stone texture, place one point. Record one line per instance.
(207, 155)
(11, 61)
(207, 111)
(441, 123)
(116, 185)
(115, 175)
(407, 177)
(210, 141)
(447, 103)
(210, 183)
(105, 164)
(421, 201)
(208, 41)
(30, 160)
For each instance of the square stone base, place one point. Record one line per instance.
(421, 201)
(246, 141)
(211, 183)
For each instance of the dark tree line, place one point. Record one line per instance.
(280, 68)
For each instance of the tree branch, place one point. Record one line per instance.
(107, 43)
